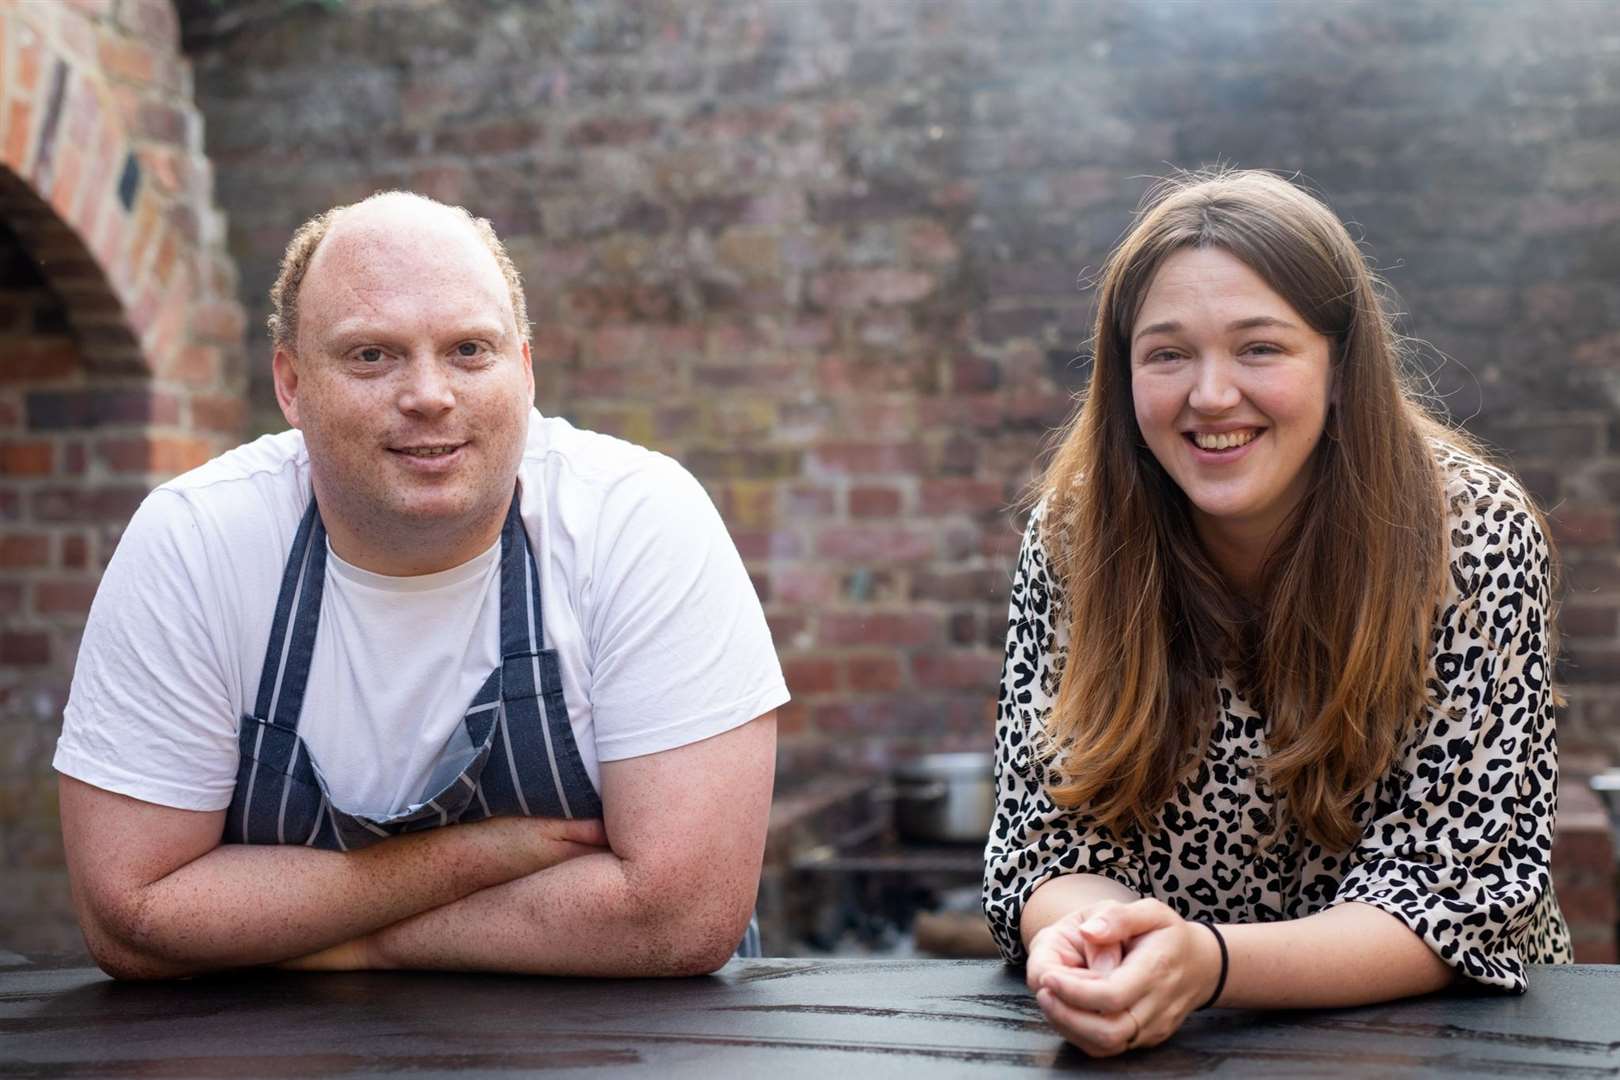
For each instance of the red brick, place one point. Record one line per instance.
(767, 543)
(79, 504)
(31, 649)
(129, 61)
(1577, 526)
(19, 551)
(75, 552)
(955, 496)
(803, 585)
(878, 628)
(1592, 665)
(225, 415)
(788, 631)
(63, 597)
(864, 458)
(792, 718)
(1599, 352)
(877, 543)
(957, 670)
(875, 674)
(1592, 904)
(19, 130)
(991, 585)
(1588, 621)
(156, 454)
(30, 54)
(39, 360)
(27, 459)
(810, 675)
(861, 288)
(805, 501)
(874, 502)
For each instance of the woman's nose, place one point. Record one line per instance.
(1214, 389)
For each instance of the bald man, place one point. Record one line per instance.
(429, 681)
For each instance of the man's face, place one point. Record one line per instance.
(411, 385)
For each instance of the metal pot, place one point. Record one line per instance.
(945, 798)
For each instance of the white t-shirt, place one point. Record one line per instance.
(660, 638)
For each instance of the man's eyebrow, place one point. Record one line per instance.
(362, 329)
(1251, 323)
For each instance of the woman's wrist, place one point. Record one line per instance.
(1214, 962)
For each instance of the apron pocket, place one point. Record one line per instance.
(278, 799)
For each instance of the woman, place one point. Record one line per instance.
(1278, 661)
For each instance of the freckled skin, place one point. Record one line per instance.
(406, 338)
(1206, 374)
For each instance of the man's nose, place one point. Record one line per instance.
(427, 390)
(1215, 388)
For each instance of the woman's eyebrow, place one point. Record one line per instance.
(1251, 323)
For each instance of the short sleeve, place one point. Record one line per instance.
(1031, 839)
(679, 647)
(1460, 843)
(149, 714)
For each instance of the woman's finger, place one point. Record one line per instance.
(1113, 993)
(1093, 1034)
(1125, 921)
(1102, 958)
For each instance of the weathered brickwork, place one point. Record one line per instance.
(829, 255)
(121, 364)
(832, 255)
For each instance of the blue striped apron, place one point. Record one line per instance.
(513, 754)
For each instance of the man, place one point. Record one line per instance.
(430, 681)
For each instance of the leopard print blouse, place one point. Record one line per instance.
(1456, 836)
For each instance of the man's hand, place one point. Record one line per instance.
(1169, 967)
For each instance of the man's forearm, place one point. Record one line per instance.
(590, 916)
(241, 905)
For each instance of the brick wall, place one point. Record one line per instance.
(827, 254)
(121, 364)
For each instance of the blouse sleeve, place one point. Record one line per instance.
(1032, 840)
(1458, 848)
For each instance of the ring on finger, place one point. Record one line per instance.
(1136, 1030)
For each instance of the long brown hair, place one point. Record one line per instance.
(1334, 646)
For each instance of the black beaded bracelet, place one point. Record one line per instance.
(1220, 983)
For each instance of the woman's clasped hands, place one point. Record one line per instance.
(1114, 976)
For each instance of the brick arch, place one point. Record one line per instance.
(121, 359)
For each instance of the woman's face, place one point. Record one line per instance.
(1230, 386)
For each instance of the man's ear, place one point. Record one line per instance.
(528, 368)
(284, 366)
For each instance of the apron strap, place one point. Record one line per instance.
(522, 631)
(292, 635)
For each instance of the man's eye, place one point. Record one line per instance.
(371, 356)
(468, 348)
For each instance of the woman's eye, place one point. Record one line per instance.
(1261, 349)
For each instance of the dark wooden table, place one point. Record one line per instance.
(776, 1018)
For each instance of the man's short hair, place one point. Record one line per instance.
(283, 321)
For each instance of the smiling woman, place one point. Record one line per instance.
(1278, 654)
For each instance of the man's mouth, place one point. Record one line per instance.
(427, 451)
(1225, 440)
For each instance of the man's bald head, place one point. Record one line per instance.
(402, 205)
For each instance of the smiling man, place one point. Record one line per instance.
(429, 681)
